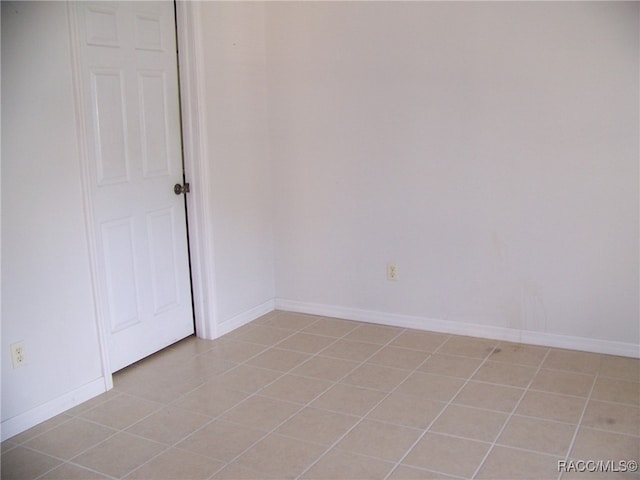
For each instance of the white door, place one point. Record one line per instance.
(128, 65)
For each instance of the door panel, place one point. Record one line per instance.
(120, 273)
(161, 230)
(111, 152)
(131, 108)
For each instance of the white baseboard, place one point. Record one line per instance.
(245, 317)
(462, 328)
(31, 418)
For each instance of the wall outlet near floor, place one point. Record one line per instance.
(392, 272)
(17, 354)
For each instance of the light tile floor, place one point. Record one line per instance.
(298, 396)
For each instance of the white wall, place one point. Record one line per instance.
(237, 154)
(46, 286)
(489, 149)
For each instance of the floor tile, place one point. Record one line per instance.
(325, 368)
(7, 445)
(295, 388)
(175, 463)
(510, 463)
(615, 417)
(617, 390)
(331, 327)
(407, 410)
(291, 321)
(519, 354)
(41, 428)
(69, 471)
(505, 374)
(468, 346)
(425, 385)
(376, 377)
(543, 436)
(261, 412)
(319, 426)
(425, 341)
(155, 386)
(221, 440)
(264, 335)
(348, 399)
(203, 367)
(189, 346)
(306, 343)
(121, 411)
(340, 465)
(370, 333)
(278, 359)
(397, 357)
(470, 423)
(94, 402)
(246, 378)
(450, 365)
(233, 335)
(119, 454)
(211, 400)
(567, 383)
(233, 351)
(489, 396)
(233, 471)
(404, 472)
(620, 367)
(70, 438)
(596, 444)
(448, 455)
(385, 441)
(552, 406)
(169, 425)
(350, 350)
(21, 463)
(266, 317)
(280, 456)
(574, 361)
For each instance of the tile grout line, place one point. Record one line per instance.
(579, 425)
(362, 417)
(510, 416)
(302, 407)
(219, 416)
(123, 430)
(448, 403)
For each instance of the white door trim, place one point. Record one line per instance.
(87, 202)
(194, 128)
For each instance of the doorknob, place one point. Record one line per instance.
(180, 189)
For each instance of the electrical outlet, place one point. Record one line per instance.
(392, 272)
(17, 354)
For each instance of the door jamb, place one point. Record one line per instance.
(85, 181)
(194, 127)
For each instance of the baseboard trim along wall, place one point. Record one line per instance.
(31, 418)
(461, 328)
(245, 317)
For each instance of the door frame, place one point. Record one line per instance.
(191, 91)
